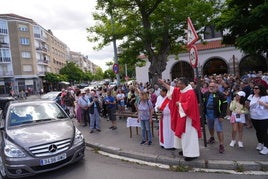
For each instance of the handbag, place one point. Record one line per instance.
(232, 118)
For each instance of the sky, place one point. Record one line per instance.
(68, 20)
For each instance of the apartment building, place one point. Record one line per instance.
(28, 51)
(82, 62)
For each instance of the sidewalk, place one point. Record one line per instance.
(119, 142)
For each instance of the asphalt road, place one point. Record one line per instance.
(96, 166)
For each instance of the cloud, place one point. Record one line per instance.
(68, 20)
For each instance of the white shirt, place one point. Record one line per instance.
(256, 110)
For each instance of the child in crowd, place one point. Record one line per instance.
(238, 119)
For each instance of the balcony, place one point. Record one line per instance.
(43, 62)
(5, 60)
(4, 45)
(6, 73)
(43, 49)
(40, 37)
(3, 31)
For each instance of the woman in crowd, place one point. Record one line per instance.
(237, 119)
(258, 108)
(145, 114)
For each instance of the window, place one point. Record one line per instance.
(5, 55)
(27, 68)
(24, 41)
(26, 54)
(3, 27)
(23, 28)
(210, 32)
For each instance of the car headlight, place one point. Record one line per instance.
(11, 150)
(78, 138)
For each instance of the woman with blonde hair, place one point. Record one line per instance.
(145, 112)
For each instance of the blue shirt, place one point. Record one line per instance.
(110, 99)
(210, 107)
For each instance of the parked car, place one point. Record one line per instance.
(36, 137)
(52, 95)
(4, 100)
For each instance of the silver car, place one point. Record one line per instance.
(36, 137)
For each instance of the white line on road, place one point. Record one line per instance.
(192, 170)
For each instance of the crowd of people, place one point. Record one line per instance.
(241, 100)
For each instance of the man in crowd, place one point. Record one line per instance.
(215, 106)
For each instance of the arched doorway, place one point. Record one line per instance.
(182, 69)
(252, 63)
(215, 66)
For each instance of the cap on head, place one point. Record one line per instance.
(241, 93)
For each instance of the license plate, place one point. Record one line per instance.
(54, 159)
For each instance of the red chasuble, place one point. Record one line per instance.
(190, 106)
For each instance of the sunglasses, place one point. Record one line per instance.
(256, 88)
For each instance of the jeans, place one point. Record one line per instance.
(145, 127)
(94, 119)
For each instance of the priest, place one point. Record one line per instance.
(185, 118)
(166, 135)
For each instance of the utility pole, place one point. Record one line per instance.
(115, 51)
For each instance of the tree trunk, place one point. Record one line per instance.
(157, 66)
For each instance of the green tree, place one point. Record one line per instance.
(73, 72)
(88, 76)
(155, 28)
(109, 74)
(246, 23)
(98, 75)
(53, 79)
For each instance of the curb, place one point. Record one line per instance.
(204, 164)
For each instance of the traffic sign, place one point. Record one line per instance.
(116, 68)
(192, 36)
(193, 56)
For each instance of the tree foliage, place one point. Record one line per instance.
(72, 71)
(246, 22)
(98, 74)
(55, 78)
(154, 28)
(109, 74)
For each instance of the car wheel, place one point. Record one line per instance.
(2, 169)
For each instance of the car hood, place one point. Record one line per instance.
(31, 135)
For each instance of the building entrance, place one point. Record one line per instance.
(182, 69)
(215, 66)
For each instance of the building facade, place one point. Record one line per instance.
(82, 62)
(27, 52)
(213, 58)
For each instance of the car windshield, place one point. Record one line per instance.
(32, 113)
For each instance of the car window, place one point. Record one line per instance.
(23, 114)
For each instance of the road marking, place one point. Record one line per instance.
(192, 170)
(134, 160)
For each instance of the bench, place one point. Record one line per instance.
(126, 114)
(132, 121)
